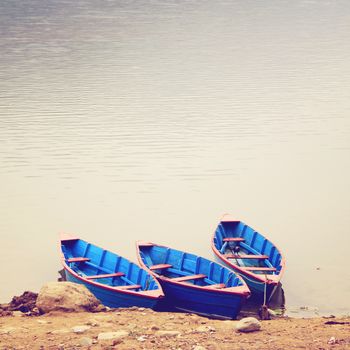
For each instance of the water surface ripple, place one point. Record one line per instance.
(150, 119)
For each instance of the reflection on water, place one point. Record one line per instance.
(148, 120)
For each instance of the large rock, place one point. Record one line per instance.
(66, 296)
(248, 324)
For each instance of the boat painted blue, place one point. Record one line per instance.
(114, 280)
(194, 284)
(249, 254)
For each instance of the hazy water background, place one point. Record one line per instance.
(126, 120)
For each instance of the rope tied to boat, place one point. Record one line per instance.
(265, 290)
(234, 250)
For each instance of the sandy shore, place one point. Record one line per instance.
(140, 328)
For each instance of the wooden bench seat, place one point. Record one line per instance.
(130, 286)
(216, 286)
(257, 268)
(188, 278)
(246, 256)
(78, 259)
(106, 275)
(160, 266)
(233, 239)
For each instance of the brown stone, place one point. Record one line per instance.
(66, 296)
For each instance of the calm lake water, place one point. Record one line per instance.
(127, 120)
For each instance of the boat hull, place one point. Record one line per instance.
(112, 298)
(202, 302)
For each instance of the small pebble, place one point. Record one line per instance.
(332, 341)
(142, 338)
(80, 329)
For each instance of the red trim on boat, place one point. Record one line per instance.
(233, 239)
(146, 244)
(160, 266)
(228, 218)
(130, 286)
(216, 286)
(77, 259)
(245, 256)
(68, 237)
(188, 278)
(258, 268)
(106, 275)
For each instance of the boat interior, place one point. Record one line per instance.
(185, 267)
(104, 267)
(246, 248)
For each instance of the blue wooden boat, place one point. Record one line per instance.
(114, 280)
(194, 284)
(249, 254)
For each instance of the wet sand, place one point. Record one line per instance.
(143, 329)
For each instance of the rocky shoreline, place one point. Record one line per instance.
(57, 323)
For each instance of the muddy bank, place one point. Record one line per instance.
(26, 325)
(139, 328)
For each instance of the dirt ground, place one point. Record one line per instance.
(143, 330)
